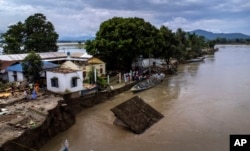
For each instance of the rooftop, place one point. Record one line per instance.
(62, 70)
(136, 115)
(18, 67)
(44, 55)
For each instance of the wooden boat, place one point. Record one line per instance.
(199, 59)
(148, 83)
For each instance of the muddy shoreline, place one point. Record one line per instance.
(58, 120)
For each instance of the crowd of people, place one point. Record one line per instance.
(134, 75)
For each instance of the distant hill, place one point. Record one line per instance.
(212, 36)
(69, 38)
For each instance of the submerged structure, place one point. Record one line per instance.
(136, 115)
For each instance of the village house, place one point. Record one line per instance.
(63, 80)
(15, 72)
(77, 64)
(96, 64)
(90, 64)
(12, 59)
(3, 72)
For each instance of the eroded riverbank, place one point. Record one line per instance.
(50, 115)
(202, 105)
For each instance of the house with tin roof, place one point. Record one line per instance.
(83, 60)
(44, 56)
(3, 72)
(15, 72)
(95, 64)
(63, 73)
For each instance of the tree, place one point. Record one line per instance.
(32, 66)
(40, 34)
(181, 53)
(120, 40)
(168, 46)
(35, 34)
(195, 43)
(14, 39)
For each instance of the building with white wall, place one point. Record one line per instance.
(15, 72)
(63, 81)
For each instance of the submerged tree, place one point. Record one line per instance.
(35, 34)
(32, 66)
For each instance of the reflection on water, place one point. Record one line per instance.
(203, 104)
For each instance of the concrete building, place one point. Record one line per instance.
(62, 80)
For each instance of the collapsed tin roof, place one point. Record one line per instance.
(136, 115)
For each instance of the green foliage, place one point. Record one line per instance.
(14, 38)
(35, 34)
(67, 91)
(231, 41)
(120, 40)
(3, 86)
(167, 45)
(91, 75)
(102, 82)
(32, 66)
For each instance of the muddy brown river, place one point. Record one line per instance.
(203, 104)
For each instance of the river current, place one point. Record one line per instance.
(202, 105)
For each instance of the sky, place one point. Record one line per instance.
(74, 18)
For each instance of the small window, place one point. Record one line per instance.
(15, 75)
(54, 82)
(74, 82)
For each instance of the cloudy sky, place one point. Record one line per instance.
(83, 17)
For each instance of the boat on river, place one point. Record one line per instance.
(148, 83)
(199, 59)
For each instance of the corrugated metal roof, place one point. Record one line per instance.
(76, 54)
(51, 55)
(70, 65)
(13, 57)
(44, 55)
(80, 55)
(95, 61)
(18, 67)
(85, 55)
(5, 64)
(62, 70)
(145, 117)
(49, 65)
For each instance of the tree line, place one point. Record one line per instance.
(34, 34)
(232, 41)
(119, 41)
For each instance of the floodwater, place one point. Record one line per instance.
(202, 105)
